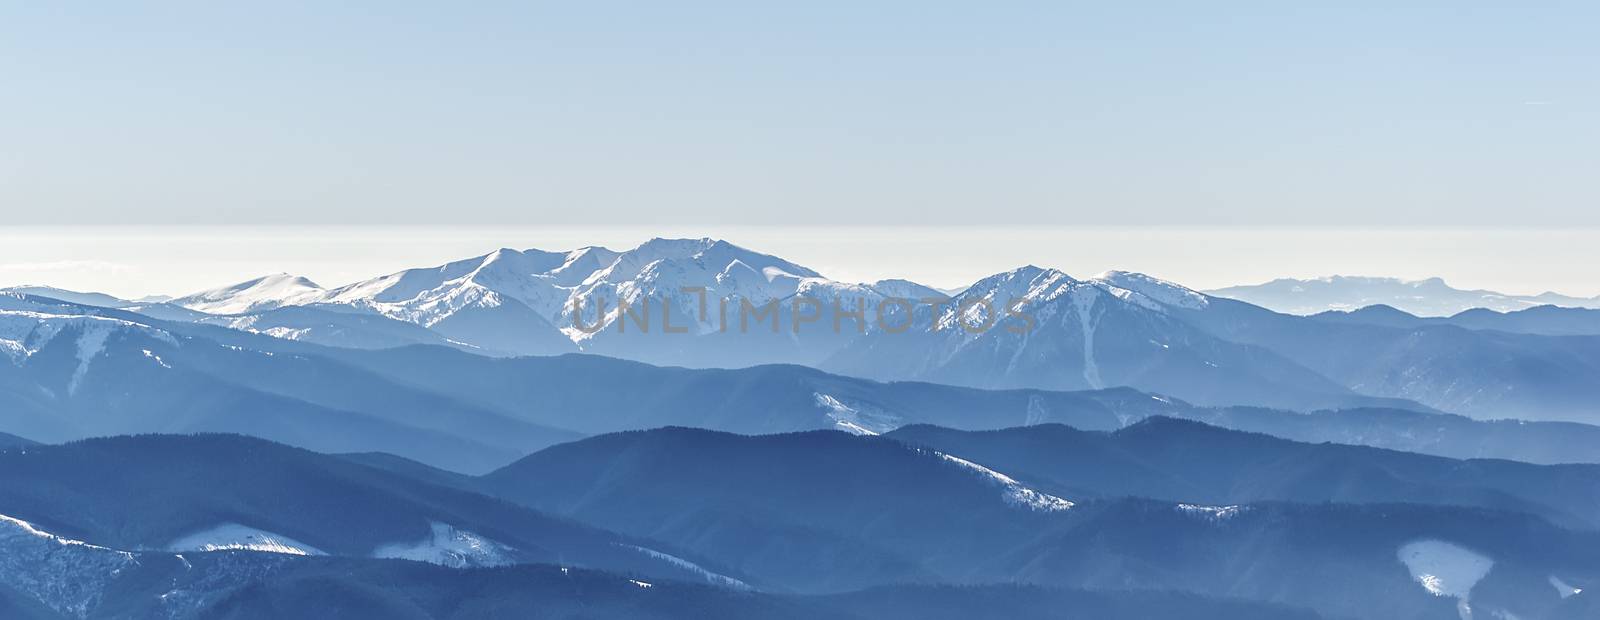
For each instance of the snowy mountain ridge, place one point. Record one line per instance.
(25, 332)
(465, 298)
(264, 293)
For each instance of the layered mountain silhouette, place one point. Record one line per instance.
(725, 525)
(102, 371)
(830, 511)
(243, 584)
(1188, 461)
(691, 429)
(211, 492)
(1538, 320)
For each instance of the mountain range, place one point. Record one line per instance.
(1430, 297)
(1538, 320)
(691, 429)
(773, 525)
(1184, 460)
(101, 582)
(1116, 329)
(106, 372)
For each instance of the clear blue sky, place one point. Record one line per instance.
(682, 113)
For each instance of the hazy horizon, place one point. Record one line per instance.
(1210, 145)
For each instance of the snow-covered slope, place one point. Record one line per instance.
(67, 576)
(426, 296)
(76, 579)
(1446, 570)
(523, 301)
(335, 326)
(24, 333)
(1162, 291)
(730, 306)
(233, 536)
(1041, 328)
(262, 293)
(661, 268)
(1014, 493)
(446, 545)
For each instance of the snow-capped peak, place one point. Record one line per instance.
(262, 293)
(1036, 284)
(582, 262)
(1161, 291)
(709, 255)
(661, 269)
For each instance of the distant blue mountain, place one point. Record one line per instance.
(1088, 334)
(1538, 320)
(115, 372)
(1430, 297)
(1114, 330)
(1477, 372)
(224, 526)
(205, 492)
(826, 511)
(68, 512)
(1181, 460)
(471, 413)
(247, 585)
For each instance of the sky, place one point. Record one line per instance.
(1473, 118)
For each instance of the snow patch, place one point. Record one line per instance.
(1036, 412)
(447, 546)
(857, 419)
(1446, 569)
(18, 525)
(1563, 588)
(155, 357)
(90, 343)
(1211, 513)
(1083, 300)
(1014, 493)
(236, 537)
(13, 350)
(287, 333)
(711, 577)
